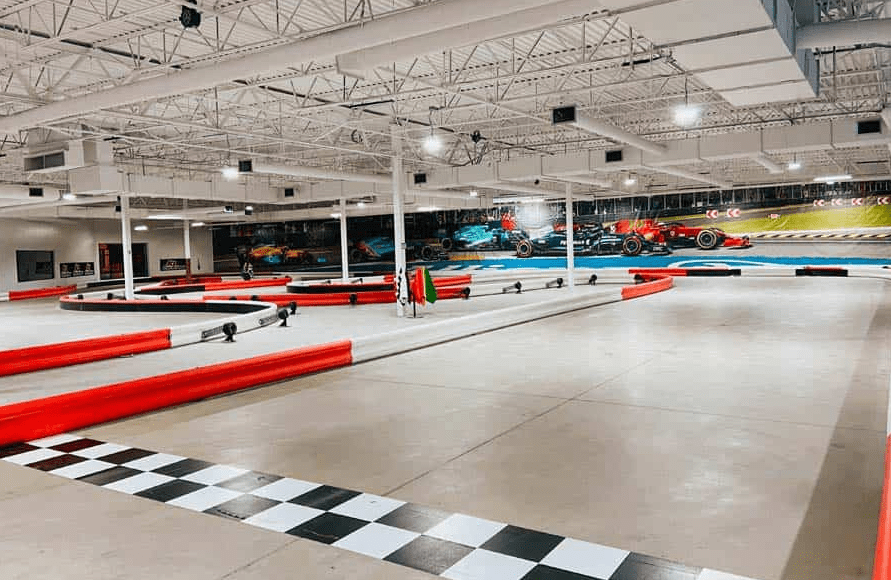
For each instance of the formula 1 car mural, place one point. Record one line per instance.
(273, 255)
(589, 240)
(678, 235)
(382, 248)
(489, 236)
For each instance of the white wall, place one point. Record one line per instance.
(78, 240)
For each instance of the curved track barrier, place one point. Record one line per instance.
(52, 415)
(210, 286)
(652, 283)
(881, 569)
(46, 356)
(117, 305)
(13, 295)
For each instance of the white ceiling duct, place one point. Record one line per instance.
(414, 22)
(319, 173)
(604, 129)
(693, 176)
(767, 163)
(360, 63)
(843, 33)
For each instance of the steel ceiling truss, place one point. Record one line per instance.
(309, 113)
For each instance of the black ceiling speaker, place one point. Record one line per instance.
(563, 115)
(190, 17)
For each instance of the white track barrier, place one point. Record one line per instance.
(380, 345)
(211, 329)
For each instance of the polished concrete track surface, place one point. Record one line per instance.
(737, 424)
(313, 325)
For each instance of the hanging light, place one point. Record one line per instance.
(432, 143)
(687, 115)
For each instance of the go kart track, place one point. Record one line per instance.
(732, 424)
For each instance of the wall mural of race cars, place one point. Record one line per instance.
(526, 231)
(589, 239)
(678, 235)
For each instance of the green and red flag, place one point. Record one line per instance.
(422, 287)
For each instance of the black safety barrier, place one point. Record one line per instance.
(558, 283)
(518, 286)
(592, 280)
(234, 307)
(465, 292)
(171, 289)
(354, 298)
(714, 272)
(283, 316)
(832, 272)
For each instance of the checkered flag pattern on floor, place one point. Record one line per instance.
(450, 545)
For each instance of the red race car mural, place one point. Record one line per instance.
(678, 235)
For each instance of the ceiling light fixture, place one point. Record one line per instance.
(830, 179)
(141, 228)
(629, 181)
(474, 193)
(230, 173)
(197, 224)
(794, 165)
(687, 115)
(432, 143)
(69, 196)
(335, 216)
(361, 204)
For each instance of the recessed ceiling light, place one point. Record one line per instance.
(141, 228)
(794, 165)
(360, 204)
(630, 181)
(197, 224)
(474, 193)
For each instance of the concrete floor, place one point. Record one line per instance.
(737, 424)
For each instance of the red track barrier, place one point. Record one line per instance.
(339, 298)
(658, 284)
(255, 283)
(41, 292)
(659, 271)
(47, 356)
(881, 569)
(52, 415)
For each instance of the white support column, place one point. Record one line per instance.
(570, 239)
(187, 242)
(127, 245)
(344, 250)
(399, 222)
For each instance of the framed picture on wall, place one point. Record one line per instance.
(35, 265)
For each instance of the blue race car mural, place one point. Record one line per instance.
(490, 236)
(587, 241)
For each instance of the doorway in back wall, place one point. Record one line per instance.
(111, 261)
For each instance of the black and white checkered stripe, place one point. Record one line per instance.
(449, 545)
